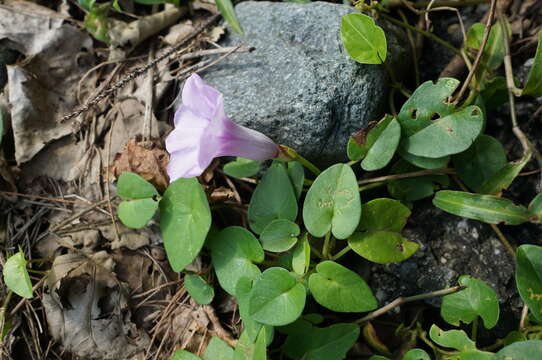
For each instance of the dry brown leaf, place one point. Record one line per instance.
(145, 159)
(178, 32)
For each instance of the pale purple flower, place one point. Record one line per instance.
(203, 132)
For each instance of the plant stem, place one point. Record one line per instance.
(504, 241)
(474, 330)
(420, 31)
(442, 171)
(402, 300)
(326, 247)
(341, 253)
(371, 186)
(289, 154)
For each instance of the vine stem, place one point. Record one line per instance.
(402, 300)
(288, 154)
(474, 331)
(326, 247)
(341, 253)
(442, 171)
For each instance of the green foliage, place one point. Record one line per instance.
(494, 51)
(97, 22)
(504, 177)
(185, 219)
(273, 198)
(364, 41)
(184, 355)
(140, 204)
(486, 208)
(415, 188)
(333, 203)
(199, 290)
(533, 87)
(529, 278)
(87, 4)
(416, 354)
(339, 289)
(523, 350)
(16, 276)
(242, 167)
(382, 141)
(234, 251)
(458, 340)
(279, 235)
(478, 299)
(535, 206)
(301, 256)
(276, 298)
(297, 177)
(383, 214)
(251, 350)
(218, 350)
(228, 12)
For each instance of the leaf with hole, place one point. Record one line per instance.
(485, 208)
(333, 203)
(136, 214)
(131, 186)
(185, 219)
(273, 198)
(364, 41)
(198, 289)
(301, 256)
(529, 278)
(339, 289)
(276, 298)
(533, 86)
(382, 142)
(480, 161)
(382, 247)
(478, 299)
(279, 235)
(383, 214)
(449, 135)
(228, 12)
(16, 276)
(234, 251)
(241, 167)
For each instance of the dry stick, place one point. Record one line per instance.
(149, 100)
(217, 327)
(77, 215)
(478, 58)
(138, 71)
(523, 319)
(504, 241)
(30, 196)
(402, 300)
(222, 50)
(23, 301)
(107, 182)
(407, 175)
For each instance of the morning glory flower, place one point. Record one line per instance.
(203, 132)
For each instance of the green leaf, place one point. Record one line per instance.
(494, 50)
(417, 188)
(447, 136)
(131, 186)
(250, 326)
(185, 219)
(242, 167)
(382, 247)
(455, 339)
(533, 86)
(218, 350)
(228, 12)
(523, 350)
(273, 198)
(97, 23)
(184, 355)
(485, 208)
(495, 92)
(379, 357)
(383, 214)
(233, 252)
(301, 258)
(416, 354)
(296, 172)
(246, 349)
(87, 4)
(429, 101)
(332, 342)
(199, 290)
(276, 298)
(478, 299)
(529, 277)
(424, 162)
(480, 162)
(364, 41)
(383, 141)
(279, 235)
(339, 289)
(504, 177)
(333, 203)
(136, 214)
(535, 207)
(16, 276)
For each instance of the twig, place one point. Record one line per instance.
(222, 50)
(402, 300)
(407, 175)
(108, 180)
(485, 37)
(138, 71)
(217, 327)
(504, 241)
(523, 319)
(77, 215)
(23, 301)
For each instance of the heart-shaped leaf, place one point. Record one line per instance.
(478, 299)
(136, 214)
(185, 220)
(131, 186)
(382, 247)
(233, 252)
(242, 167)
(279, 235)
(276, 298)
(486, 208)
(333, 203)
(199, 290)
(416, 354)
(340, 289)
(16, 276)
(383, 214)
(523, 350)
(529, 277)
(364, 41)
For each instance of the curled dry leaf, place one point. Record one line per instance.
(145, 159)
(87, 309)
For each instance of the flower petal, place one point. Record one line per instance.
(200, 97)
(184, 164)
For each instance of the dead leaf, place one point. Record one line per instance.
(87, 309)
(145, 159)
(178, 32)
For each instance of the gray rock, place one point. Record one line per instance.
(451, 246)
(299, 86)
